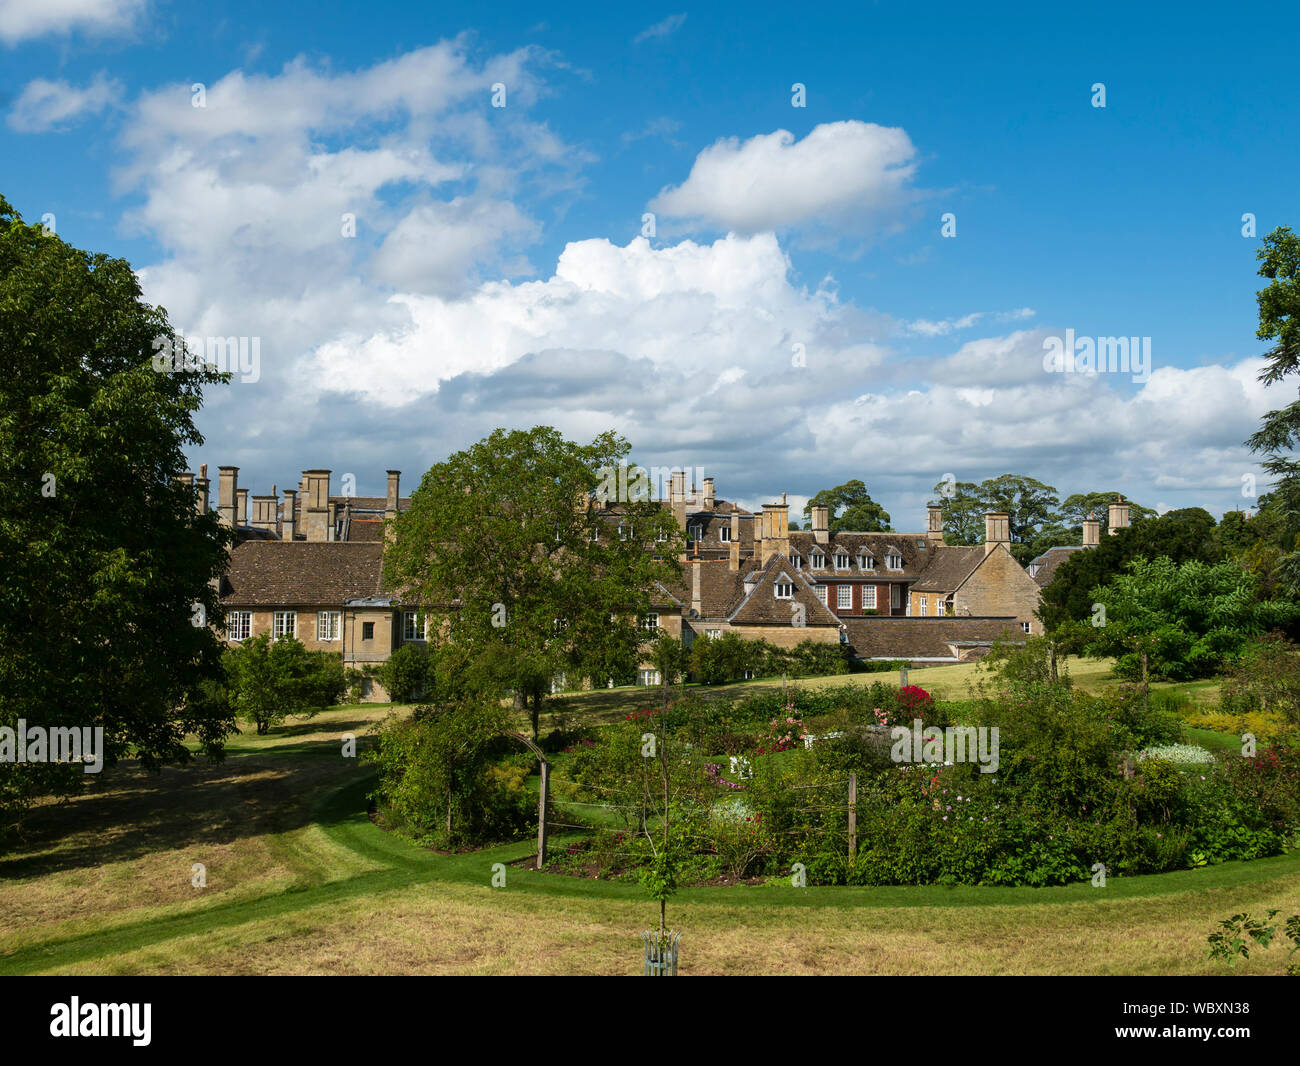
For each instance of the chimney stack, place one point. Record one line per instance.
(710, 498)
(1117, 516)
(390, 505)
(776, 529)
(264, 512)
(1091, 531)
(287, 518)
(677, 497)
(997, 530)
(733, 552)
(201, 503)
(316, 516)
(821, 523)
(241, 506)
(228, 486)
(934, 528)
(331, 529)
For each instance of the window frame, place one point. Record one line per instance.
(278, 630)
(245, 618)
(333, 626)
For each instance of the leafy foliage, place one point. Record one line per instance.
(269, 680)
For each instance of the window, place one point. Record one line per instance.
(939, 606)
(328, 624)
(413, 627)
(841, 561)
(650, 622)
(694, 531)
(662, 535)
(818, 560)
(239, 625)
(367, 630)
(866, 561)
(797, 559)
(924, 608)
(713, 634)
(844, 596)
(647, 677)
(559, 625)
(868, 597)
(724, 534)
(785, 590)
(285, 624)
(622, 531)
(1025, 626)
(895, 597)
(366, 687)
(893, 560)
(821, 594)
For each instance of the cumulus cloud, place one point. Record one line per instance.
(48, 105)
(855, 172)
(22, 20)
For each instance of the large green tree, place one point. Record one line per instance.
(851, 509)
(1279, 433)
(269, 680)
(504, 543)
(1030, 504)
(107, 575)
(1077, 507)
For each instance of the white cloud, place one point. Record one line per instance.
(841, 172)
(22, 20)
(926, 328)
(660, 30)
(46, 105)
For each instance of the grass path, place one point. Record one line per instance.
(300, 881)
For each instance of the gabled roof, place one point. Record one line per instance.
(1048, 562)
(761, 607)
(950, 566)
(278, 573)
(915, 559)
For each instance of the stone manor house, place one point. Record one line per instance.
(308, 563)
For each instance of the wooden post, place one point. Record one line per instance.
(853, 814)
(541, 814)
(902, 676)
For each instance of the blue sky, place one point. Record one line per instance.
(492, 280)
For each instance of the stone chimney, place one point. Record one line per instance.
(264, 512)
(331, 529)
(316, 516)
(390, 504)
(1117, 516)
(201, 503)
(710, 497)
(1091, 531)
(997, 530)
(241, 506)
(776, 529)
(934, 523)
(287, 519)
(733, 553)
(677, 497)
(228, 486)
(696, 599)
(821, 524)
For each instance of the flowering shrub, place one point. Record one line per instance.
(783, 734)
(915, 702)
(1183, 754)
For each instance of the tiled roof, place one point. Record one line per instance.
(915, 558)
(1049, 561)
(950, 565)
(365, 529)
(922, 638)
(761, 607)
(301, 573)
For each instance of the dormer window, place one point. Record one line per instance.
(797, 559)
(724, 534)
(695, 531)
(818, 560)
(866, 561)
(841, 560)
(894, 561)
(784, 588)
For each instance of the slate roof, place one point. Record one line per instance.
(915, 558)
(1050, 560)
(883, 637)
(950, 565)
(299, 573)
(761, 607)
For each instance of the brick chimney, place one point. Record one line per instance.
(997, 530)
(287, 519)
(228, 486)
(1091, 531)
(316, 509)
(821, 524)
(1117, 516)
(934, 523)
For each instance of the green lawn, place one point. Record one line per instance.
(300, 881)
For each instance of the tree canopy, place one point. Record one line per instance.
(851, 509)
